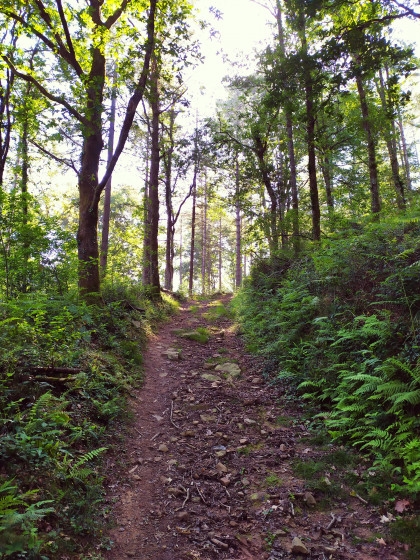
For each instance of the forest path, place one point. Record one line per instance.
(210, 467)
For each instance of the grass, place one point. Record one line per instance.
(200, 334)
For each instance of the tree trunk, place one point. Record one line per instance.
(238, 267)
(290, 145)
(146, 214)
(170, 226)
(152, 252)
(391, 146)
(273, 237)
(107, 197)
(5, 121)
(180, 254)
(373, 167)
(87, 235)
(405, 154)
(220, 253)
(310, 138)
(193, 219)
(204, 237)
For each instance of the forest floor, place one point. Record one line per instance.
(221, 464)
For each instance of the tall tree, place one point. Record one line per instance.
(56, 26)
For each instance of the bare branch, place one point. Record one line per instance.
(69, 164)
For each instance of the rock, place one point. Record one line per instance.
(164, 448)
(207, 418)
(280, 533)
(208, 365)
(225, 481)
(221, 468)
(282, 448)
(309, 499)
(298, 547)
(188, 433)
(243, 441)
(230, 369)
(249, 422)
(175, 492)
(233, 523)
(245, 482)
(256, 380)
(183, 515)
(172, 354)
(210, 377)
(221, 453)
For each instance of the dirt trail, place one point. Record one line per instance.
(209, 469)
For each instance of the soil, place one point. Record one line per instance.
(208, 468)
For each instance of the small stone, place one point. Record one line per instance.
(207, 418)
(175, 491)
(249, 421)
(195, 422)
(221, 468)
(309, 499)
(225, 481)
(282, 448)
(256, 380)
(229, 368)
(157, 459)
(280, 533)
(245, 482)
(233, 523)
(164, 448)
(183, 515)
(243, 441)
(196, 499)
(210, 377)
(220, 453)
(208, 365)
(298, 547)
(188, 433)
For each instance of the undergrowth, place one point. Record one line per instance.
(342, 324)
(65, 370)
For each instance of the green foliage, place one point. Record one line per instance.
(65, 370)
(343, 326)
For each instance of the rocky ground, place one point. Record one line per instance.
(218, 462)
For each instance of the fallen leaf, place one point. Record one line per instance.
(402, 505)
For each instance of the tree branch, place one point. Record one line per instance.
(408, 10)
(58, 48)
(65, 28)
(69, 164)
(47, 94)
(116, 15)
(135, 98)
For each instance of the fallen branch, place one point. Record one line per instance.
(200, 494)
(51, 370)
